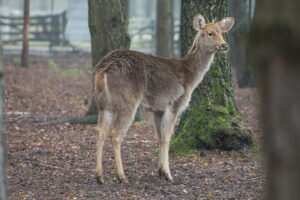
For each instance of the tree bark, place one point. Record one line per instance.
(3, 183)
(239, 53)
(108, 25)
(212, 119)
(275, 45)
(164, 28)
(25, 48)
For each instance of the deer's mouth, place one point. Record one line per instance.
(223, 48)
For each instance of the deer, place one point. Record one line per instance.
(126, 80)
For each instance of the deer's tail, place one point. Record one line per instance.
(100, 72)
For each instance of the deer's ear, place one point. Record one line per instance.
(199, 22)
(226, 24)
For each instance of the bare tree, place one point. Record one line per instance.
(3, 184)
(240, 9)
(24, 56)
(275, 43)
(164, 30)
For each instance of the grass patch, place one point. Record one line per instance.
(16, 61)
(53, 65)
(73, 71)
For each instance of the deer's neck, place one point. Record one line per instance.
(199, 63)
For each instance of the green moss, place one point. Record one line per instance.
(239, 154)
(213, 127)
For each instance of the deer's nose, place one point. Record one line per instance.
(224, 47)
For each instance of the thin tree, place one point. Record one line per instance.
(3, 183)
(24, 56)
(275, 43)
(164, 28)
(108, 25)
(212, 119)
(240, 9)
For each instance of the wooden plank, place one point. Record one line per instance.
(31, 17)
(21, 23)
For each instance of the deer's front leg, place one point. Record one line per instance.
(167, 128)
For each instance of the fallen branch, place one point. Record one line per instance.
(90, 119)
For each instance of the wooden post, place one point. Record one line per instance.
(24, 56)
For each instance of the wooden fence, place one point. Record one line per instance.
(49, 28)
(143, 34)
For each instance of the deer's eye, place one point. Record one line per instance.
(210, 34)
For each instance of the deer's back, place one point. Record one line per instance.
(157, 81)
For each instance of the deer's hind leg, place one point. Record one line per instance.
(104, 121)
(122, 121)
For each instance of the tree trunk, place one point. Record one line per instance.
(275, 40)
(3, 183)
(164, 28)
(24, 56)
(108, 25)
(239, 53)
(212, 119)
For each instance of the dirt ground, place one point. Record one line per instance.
(58, 161)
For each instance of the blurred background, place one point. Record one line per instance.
(62, 25)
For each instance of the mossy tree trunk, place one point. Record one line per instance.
(108, 25)
(275, 40)
(212, 119)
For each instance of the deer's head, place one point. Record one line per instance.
(209, 38)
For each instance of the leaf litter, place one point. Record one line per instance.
(58, 161)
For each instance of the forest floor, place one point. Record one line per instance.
(58, 161)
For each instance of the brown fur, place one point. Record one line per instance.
(126, 80)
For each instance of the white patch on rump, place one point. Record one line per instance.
(107, 119)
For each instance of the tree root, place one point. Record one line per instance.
(89, 119)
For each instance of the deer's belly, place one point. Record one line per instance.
(159, 101)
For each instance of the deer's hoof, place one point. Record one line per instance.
(165, 175)
(123, 180)
(100, 179)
